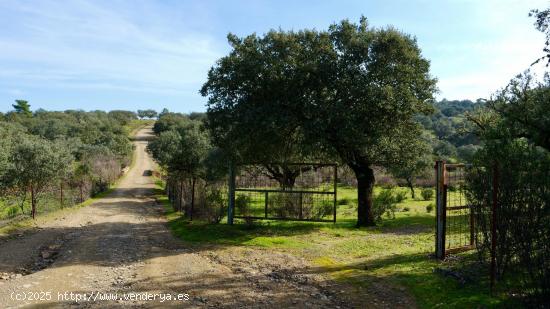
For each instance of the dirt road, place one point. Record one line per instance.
(120, 247)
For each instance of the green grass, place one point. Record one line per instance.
(396, 251)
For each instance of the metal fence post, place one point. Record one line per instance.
(231, 205)
(440, 209)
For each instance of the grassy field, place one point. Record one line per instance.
(397, 251)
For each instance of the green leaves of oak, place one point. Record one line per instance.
(348, 93)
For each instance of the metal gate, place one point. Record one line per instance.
(283, 191)
(454, 218)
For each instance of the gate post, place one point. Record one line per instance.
(231, 205)
(440, 209)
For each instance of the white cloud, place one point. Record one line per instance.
(478, 68)
(83, 44)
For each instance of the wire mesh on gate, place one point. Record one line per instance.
(454, 218)
(290, 191)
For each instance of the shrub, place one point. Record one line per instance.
(427, 194)
(344, 201)
(322, 209)
(12, 211)
(287, 205)
(429, 208)
(242, 205)
(523, 232)
(210, 201)
(400, 196)
(385, 203)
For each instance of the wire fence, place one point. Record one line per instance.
(14, 206)
(290, 191)
(454, 217)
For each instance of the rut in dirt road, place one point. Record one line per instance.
(120, 245)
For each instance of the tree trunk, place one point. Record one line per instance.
(181, 201)
(61, 193)
(285, 176)
(192, 198)
(365, 187)
(410, 184)
(33, 203)
(81, 193)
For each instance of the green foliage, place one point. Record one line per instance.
(523, 241)
(427, 193)
(242, 205)
(385, 202)
(168, 121)
(183, 149)
(351, 91)
(344, 201)
(514, 129)
(215, 207)
(122, 117)
(542, 23)
(148, 113)
(22, 107)
(35, 163)
(416, 163)
(400, 196)
(429, 208)
(37, 153)
(520, 110)
(448, 130)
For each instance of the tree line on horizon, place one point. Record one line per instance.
(52, 157)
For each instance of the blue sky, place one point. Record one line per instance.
(152, 54)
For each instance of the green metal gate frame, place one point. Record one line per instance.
(232, 189)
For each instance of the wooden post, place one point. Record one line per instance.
(494, 226)
(441, 211)
(231, 202)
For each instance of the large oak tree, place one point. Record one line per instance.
(350, 92)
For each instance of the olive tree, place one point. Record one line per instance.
(350, 92)
(182, 151)
(36, 163)
(414, 164)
